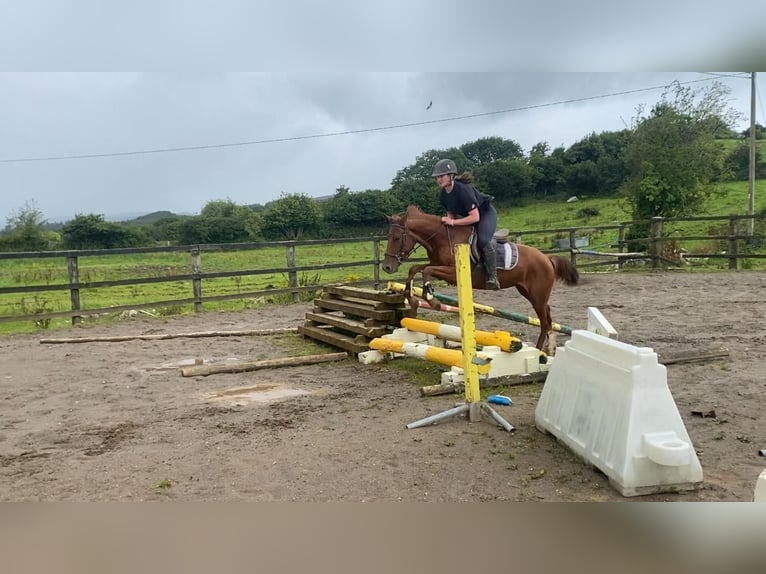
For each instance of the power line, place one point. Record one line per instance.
(336, 134)
(737, 75)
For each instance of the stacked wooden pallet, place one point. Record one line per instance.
(350, 317)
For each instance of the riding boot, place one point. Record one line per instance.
(490, 266)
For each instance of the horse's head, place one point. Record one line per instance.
(399, 243)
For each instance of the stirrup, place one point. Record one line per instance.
(492, 285)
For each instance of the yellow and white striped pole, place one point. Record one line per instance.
(447, 357)
(502, 339)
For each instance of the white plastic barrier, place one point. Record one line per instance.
(610, 403)
(760, 488)
(598, 324)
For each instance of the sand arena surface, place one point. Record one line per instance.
(117, 421)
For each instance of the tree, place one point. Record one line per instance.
(507, 180)
(759, 131)
(243, 221)
(291, 217)
(424, 165)
(595, 165)
(351, 210)
(92, 231)
(487, 150)
(421, 192)
(672, 158)
(738, 162)
(25, 230)
(549, 168)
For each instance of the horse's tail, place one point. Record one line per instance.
(565, 270)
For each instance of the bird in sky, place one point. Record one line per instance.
(428, 107)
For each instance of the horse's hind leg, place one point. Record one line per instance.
(543, 311)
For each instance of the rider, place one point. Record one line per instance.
(458, 197)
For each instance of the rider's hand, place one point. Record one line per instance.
(448, 221)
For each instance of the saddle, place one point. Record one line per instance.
(507, 253)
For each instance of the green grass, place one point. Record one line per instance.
(730, 144)
(17, 273)
(732, 199)
(547, 215)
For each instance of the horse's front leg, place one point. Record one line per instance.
(447, 274)
(409, 288)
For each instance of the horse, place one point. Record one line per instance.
(533, 276)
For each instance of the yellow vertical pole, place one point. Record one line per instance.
(467, 322)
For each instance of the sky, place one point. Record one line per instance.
(260, 135)
(82, 132)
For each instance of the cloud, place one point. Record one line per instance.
(257, 130)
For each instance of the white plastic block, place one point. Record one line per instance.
(760, 488)
(610, 403)
(525, 360)
(598, 324)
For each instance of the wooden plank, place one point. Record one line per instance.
(377, 305)
(347, 324)
(243, 366)
(691, 356)
(384, 316)
(118, 338)
(334, 338)
(359, 293)
(367, 322)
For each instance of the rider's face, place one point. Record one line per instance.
(443, 180)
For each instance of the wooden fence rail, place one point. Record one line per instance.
(739, 247)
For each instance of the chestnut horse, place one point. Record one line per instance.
(533, 276)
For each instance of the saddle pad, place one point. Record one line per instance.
(507, 255)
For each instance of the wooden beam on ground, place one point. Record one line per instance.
(691, 356)
(116, 339)
(505, 381)
(243, 366)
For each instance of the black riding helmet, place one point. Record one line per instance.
(444, 166)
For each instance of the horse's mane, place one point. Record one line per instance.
(414, 214)
(413, 211)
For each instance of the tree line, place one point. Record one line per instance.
(667, 163)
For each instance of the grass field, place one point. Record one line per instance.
(538, 216)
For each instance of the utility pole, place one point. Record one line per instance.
(751, 175)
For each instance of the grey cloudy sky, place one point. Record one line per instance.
(65, 114)
(59, 97)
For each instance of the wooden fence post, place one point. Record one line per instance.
(655, 243)
(376, 265)
(292, 275)
(74, 292)
(732, 253)
(196, 268)
(620, 246)
(572, 246)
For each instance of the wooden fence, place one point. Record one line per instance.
(739, 247)
(663, 246)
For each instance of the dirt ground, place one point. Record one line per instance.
(117, 420)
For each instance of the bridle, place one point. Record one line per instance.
(402, 256)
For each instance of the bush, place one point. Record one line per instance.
(587, 212)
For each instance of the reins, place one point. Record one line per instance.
(401, 256)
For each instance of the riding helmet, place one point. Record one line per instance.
(444, 166)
